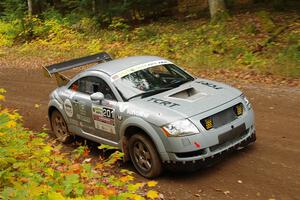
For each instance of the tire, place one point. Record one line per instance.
(144, 156)
(60, 128)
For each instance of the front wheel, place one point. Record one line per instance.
(59, 127)
(144, 156)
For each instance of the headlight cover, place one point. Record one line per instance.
(247, 102)
(180, 128)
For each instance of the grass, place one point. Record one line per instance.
(197, 44)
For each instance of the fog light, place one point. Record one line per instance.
(207, 123)
(238, 109)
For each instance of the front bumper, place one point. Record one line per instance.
(209, 153)
(209, 143)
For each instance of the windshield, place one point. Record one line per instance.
(150, 81)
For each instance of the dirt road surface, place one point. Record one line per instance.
(269, 169)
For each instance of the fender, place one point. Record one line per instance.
(55, 103)
(149, 130)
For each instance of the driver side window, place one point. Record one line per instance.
(92, 84)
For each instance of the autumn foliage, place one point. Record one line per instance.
(31, 168)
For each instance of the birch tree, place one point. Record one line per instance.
(29, 3)
(216, 6)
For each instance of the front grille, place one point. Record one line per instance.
(221, 118)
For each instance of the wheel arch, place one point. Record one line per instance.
(135, 125)
(50, 111)
(55, 105)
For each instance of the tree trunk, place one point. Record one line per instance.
(103, 6)
(30, 7)
(94, 7)
(216, 6)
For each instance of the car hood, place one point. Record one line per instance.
(187, 100)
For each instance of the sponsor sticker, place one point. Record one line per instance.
(124, 108)
(104, 118)
(82, 108)
(163, 102)
(83, 118)
(210, 84)
(130, 70)
(68, 107)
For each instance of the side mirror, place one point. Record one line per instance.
(98, 96)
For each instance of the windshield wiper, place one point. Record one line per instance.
(150, 92)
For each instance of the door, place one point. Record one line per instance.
(97, 118)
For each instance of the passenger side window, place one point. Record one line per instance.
(92, 84)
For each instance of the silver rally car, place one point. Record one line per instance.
(152, 110)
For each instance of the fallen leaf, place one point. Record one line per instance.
(108, 192)
(125, 171)
(86, 152)
(126, 178)
(11, 124)
(37, 106)
(134, 187)
(258, 194)
(87, 160)
(161, 196)
(151, 194)
(24, 180)
(2, 98)
(151, 183)
(99, 166)
(136, 197)
(75, 168)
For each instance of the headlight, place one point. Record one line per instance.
(247, 102)
(180, 128)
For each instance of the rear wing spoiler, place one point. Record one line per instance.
(71, 64)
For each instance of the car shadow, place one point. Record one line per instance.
(206, 170)
(170, 173)
(183, 175)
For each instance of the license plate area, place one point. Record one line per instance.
(232, 134)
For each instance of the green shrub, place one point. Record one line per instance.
(119, 23)
(288, 61)
(250, 28)
(266, 21)
(52, 14)
(86, 25)
(197, 43)
(145, 32)
(251, 60)
(220, 17)
(9, 32)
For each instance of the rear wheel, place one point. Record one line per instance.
(59, 127)
(144, 156)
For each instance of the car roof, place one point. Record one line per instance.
(117, 65)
